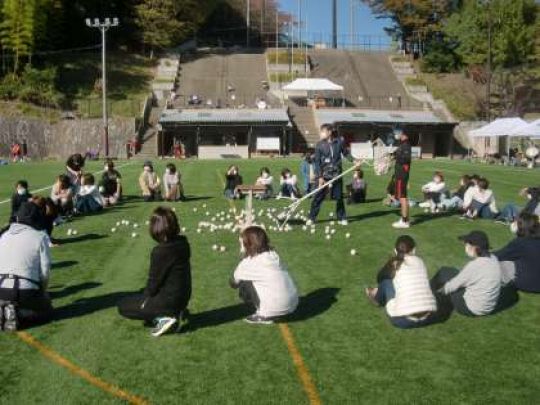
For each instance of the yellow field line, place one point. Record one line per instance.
(85, 375)
(301, 369)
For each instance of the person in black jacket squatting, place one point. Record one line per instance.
(403, 157)
(327, 165)
(168, 289)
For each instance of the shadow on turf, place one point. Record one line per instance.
(64, 264)
(310, 306)
(421, 218)
(82, 238)
(73, 289)
(87, 306)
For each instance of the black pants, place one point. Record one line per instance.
(336, 192)
(132, 308)
(454, 300)
(248, 294)
(34, 306)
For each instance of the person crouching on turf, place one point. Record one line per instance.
(172, 184)
(403, 158)
(289, 185)
(150, 183)
(266, 180)
(111, 184)
(404, 288)
(262, 279)
(433, 193)
(475, 290)
(20, 196)
(165, 299)
(327, 165)
(24, 271)
(356, 191)
(88, 199)
(232, 181)
(62, 195)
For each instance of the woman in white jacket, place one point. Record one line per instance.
(404, 288)
(262, 279)
(480, 202)
(433, 192)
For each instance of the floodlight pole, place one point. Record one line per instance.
(103, 26)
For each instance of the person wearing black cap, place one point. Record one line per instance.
(24, 270)
(475, 290)
(150, 183)
(403, 158)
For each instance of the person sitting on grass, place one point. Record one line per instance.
(262, 279)
(88, 199)
(232, 181)
(150, 183)
(433, 193)
(404, 289)
(111, 184)
(20, 196)
(50, 214)
(289, 185)
(24, 271)
(165, 299)
(510, 212)
(74, 170)
(455, 201)
(62, 195)
(265, 179)
(520, 259)
(475, 290)
(481, 202)
(356, 191)
(172, 184)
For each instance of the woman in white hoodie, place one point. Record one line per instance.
(404, 288)
(433, 192)
(480, 201)
(262, 279)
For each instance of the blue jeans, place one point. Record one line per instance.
(336, 192)
(452, 203)
(483, 210)
(385, 293)
(510, 212)
(288, 190)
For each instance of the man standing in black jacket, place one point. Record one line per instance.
(326, 166)
(403, 157)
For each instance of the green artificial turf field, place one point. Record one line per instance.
(351, 352)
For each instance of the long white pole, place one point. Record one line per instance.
(104, 90)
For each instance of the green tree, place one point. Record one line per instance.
(17, 28)
(158, 20)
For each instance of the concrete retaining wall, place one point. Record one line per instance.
(59, 140)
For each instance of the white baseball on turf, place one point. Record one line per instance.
(69, 232)
(312, 231)
(222, 248)
(333, 231)
(353, 252)
(347, 235)
(74, 232)
(113, 230)
(133, 235)
(215, 247)
(328, 237)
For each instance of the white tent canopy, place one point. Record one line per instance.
(531, 130)
(312, 85)
(499, 127)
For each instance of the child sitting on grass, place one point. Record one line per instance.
(356, 191)
(168, 289)
(111, 184)
(88, 199)
(62, 195)
(150, 183)
(289, 185)
(172, 184)
(20, 196)
(262, 279)
(433, 193)
(265, 179)
(404, 289)
(232, 181)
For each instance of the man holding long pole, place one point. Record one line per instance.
(327, 165)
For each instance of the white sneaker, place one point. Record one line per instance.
(343, 222)
(163, 325)
(309, 222)
(401, 224)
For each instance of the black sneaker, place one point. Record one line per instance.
(259, 320)
(11, 322)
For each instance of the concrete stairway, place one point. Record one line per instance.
(303, 119)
